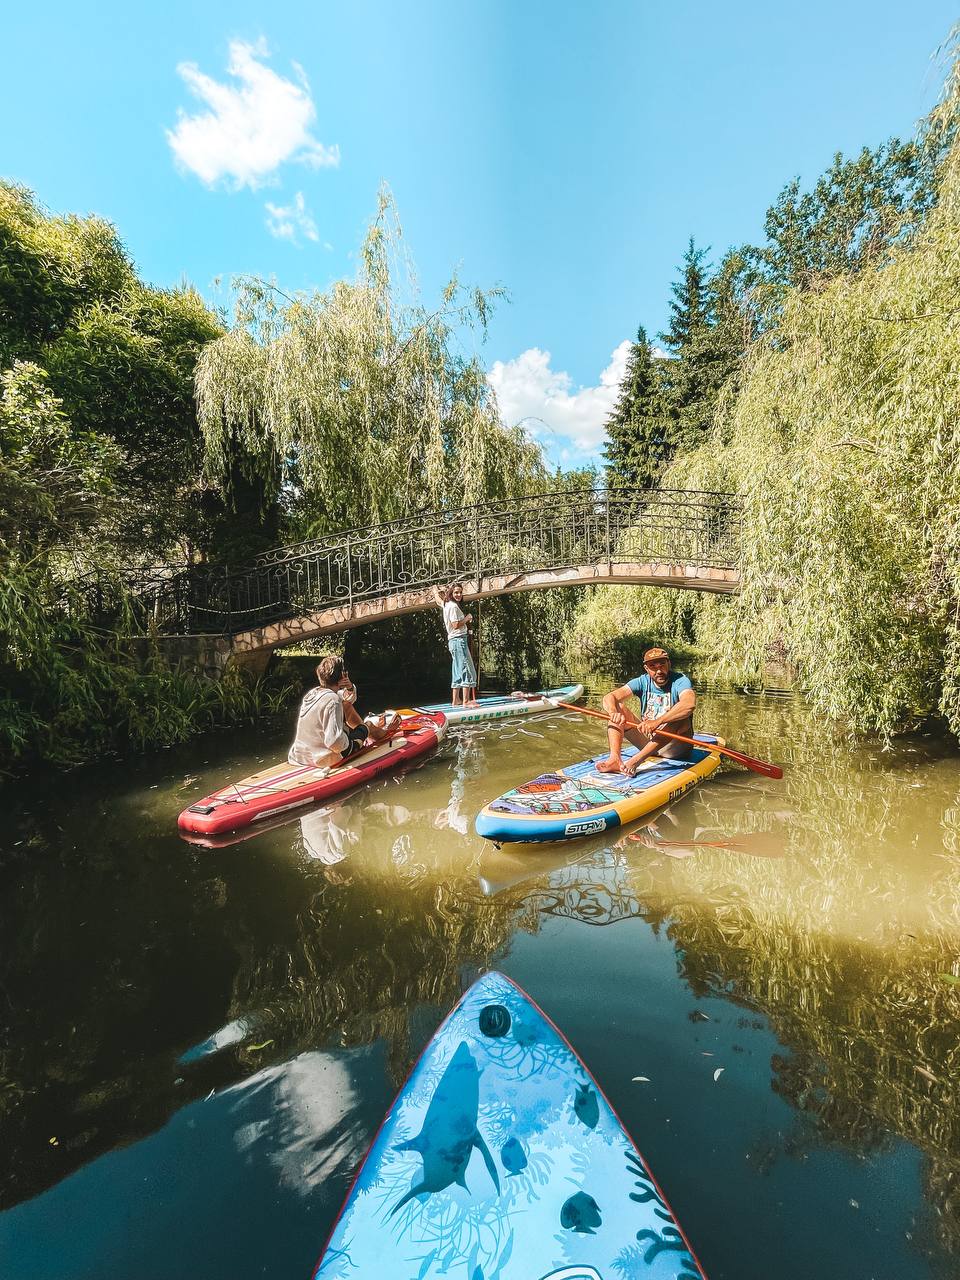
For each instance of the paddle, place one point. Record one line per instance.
(758, 766)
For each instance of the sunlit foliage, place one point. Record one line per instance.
(99, 468)
(842, 434)
(357, 407)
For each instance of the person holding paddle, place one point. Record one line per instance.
(667, 701)
(329, 729)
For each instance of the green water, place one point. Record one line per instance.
(196, 1045)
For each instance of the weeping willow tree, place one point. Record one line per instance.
(358, 407)
(843, 439)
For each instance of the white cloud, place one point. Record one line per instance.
(287, 222)
(568, 420)
(252, 127)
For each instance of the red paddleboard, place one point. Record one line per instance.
(285, 787)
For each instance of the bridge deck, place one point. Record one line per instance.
(342, 617)
(667, 538)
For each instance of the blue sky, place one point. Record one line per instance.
(564, 150)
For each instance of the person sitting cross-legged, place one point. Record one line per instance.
(667, 701)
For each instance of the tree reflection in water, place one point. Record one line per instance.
(829, 903)
(777, 913)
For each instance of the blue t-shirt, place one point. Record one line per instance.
(655, 702)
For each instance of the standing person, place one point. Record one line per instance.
(463, 680)
(329, 730)
(667, 700)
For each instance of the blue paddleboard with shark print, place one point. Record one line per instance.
(502, 1160)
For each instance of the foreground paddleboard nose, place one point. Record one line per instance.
(501, 1157)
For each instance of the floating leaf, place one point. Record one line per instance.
(54, 1142)
(718, 1073)
(924, 1072)
(643, 1079)
(255, 1048)
(951, 978)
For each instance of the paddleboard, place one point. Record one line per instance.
(578, 801)
(501, 707)
(286, 787)
(502, 1160)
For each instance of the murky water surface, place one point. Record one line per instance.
(196, 1045)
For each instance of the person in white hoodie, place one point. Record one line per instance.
(329, 729)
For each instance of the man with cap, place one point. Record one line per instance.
(667, 701)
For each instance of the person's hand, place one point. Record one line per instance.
(468, 617)
(649, 727)
(617, 719)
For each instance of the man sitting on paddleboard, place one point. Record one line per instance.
(667, 701)
(329, 730)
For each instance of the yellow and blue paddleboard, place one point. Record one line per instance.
(578, 801)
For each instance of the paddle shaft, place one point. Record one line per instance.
(758, 766)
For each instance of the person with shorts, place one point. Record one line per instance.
(667, 701)
(329, 729)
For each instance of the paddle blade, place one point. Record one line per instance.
(758, 766)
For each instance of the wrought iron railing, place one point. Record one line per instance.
(540, 532)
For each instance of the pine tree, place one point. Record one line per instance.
(690, 385)
(712, 323)
(639, 443)
(691, 309)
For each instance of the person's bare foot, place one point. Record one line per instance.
(383, 727)
(635, 765)
(610, 765)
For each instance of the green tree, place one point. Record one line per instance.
(852, 216)
(124, 368)
(100, 466)
(120, 357)
(56, 484)
(640, 436)
(356, 408)
(49, 268)
(701, 360)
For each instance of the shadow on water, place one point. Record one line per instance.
(296, 975)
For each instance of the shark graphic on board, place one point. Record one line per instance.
(449, 1133)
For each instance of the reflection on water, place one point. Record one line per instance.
(278, 989)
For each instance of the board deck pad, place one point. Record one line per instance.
(502, 1160)
(580, 786)
(578, 800)
(505, 706)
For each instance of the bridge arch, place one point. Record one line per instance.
(688, 540)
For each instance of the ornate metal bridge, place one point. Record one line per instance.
(672, 538)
